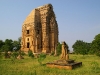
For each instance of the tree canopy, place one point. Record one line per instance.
(10, 45)
(95, 46)
(81, 47)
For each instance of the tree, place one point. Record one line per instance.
(14, 54)
(77, 46)
(9, 42)
(16, 45)
(95, 46)
(1, 44)
(80, 47)
(5, 48)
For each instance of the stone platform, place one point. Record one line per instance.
(64, 64)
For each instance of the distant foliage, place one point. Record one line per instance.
(10, 44)
(81, 47)
(95, 46)
(1, 44)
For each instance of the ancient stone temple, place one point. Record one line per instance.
(40, 30)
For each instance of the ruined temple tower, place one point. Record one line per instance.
(40, 30)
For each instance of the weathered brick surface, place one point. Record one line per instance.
(40, 30)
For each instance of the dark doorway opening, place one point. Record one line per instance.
(27, 31)
(28, 45)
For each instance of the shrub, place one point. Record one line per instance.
(14, 54)
(6, 54)
(30, 53)
(22, 53)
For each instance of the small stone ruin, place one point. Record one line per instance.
(64, 62)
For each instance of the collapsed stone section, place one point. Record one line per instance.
(40, 30)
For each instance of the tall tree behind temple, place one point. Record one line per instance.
(95, 46)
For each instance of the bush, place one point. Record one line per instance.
(14, 54)
(42, 56)
(6, 54)
(22, 53)
(30, 53)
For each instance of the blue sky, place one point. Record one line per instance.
(77, 19)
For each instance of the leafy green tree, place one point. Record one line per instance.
(95, 46)
(14, 54)
(9, 42)
(16, 45)
(5, 48)
(1, 44)
(81, 47)
(77, 46)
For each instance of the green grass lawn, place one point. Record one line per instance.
(29, 66)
